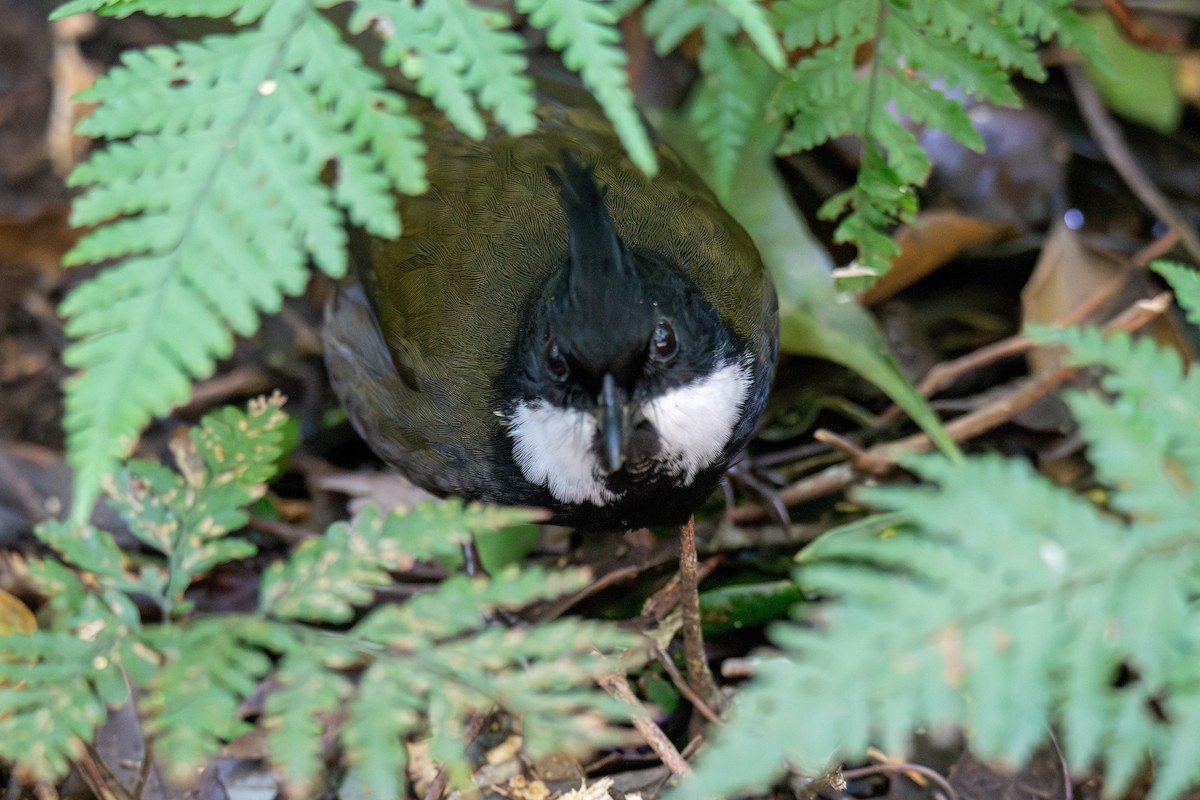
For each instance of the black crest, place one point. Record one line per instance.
(602, 289)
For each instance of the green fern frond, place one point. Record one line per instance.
(439, 667)
(191, 705)
(727, 104)
(753, 18)
(879, 198)
(186, 515)
(240, 11)
(454, 607)
(236, 447)
(805, 23)
(822, 97)
(973, 621)
(672, 21)
(216, 204)
(48, 706)
(734, 90)
(459, 55)
(942, 60)
(374, 742)
(585, 32)
(326, 578)
(1003, 616)
(965, 22)
(1145, 442)
(305, 700)
(96, 552)
(427, 664)
(57, 683)
(547, 673)
(1049, 19)
(923, 58)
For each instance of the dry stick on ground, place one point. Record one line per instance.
(699, 675)
(681, 684)
(875, 769)
(1068, 787)
(1134, 30)
(1112, 142)
(966, 427)
(944, 374)
(239, 381)
(941, 376)
(616, 685)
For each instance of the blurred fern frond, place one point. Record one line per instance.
(879, 69)
(1006, 605)
(374, 677)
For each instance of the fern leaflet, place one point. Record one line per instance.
(229, 140)
(923, 56)
(586, 33)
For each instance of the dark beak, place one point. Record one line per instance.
(612, 424)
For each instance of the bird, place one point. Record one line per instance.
(555, 329)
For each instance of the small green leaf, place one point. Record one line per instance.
(1185, 281)
(586, 33)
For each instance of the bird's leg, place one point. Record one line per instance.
(743, 473)
(698, 674)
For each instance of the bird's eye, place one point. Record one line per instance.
(556, 364)
(663, 345)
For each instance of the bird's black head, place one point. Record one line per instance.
(625, 380)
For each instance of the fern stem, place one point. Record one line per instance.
(1112, 142)
(881, 18)
(1106, 575)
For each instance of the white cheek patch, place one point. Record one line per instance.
(553, 448)
(694, 422)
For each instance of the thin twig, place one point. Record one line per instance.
(617, 685)
(242, 380)
(984, 419)
(687, 753)
(821, 484)
(941, 376)
(862, 460)
(1068, 788)
(1137, 32)
(1156, 249)
(875, 769)
(968, 426)
(689, 694)
(699, 676)
(1112, 142)
(659, 604)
